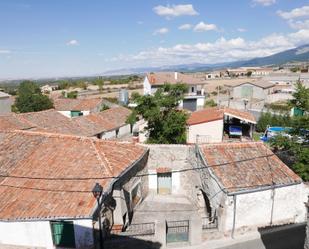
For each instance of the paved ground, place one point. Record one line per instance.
(285, 237)
(167, 207)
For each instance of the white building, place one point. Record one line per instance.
(46, 198)
(212, 125)
(195, 97)
(6, 103)
(253, 90)
(248, 187)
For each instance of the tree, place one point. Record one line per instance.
(249, 73)
(301, 97)
(166, 124)
(30, 98)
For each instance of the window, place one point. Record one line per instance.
(63, 233)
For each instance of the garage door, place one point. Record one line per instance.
(189, 104)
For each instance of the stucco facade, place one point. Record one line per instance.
(210, 132)
(250, 91)
(35, 234)
(5, 103)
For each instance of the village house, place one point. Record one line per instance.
(195, 97)
(46, 188)
(107, 124)
(6, 103)
(247, 187)
(259, 89)
(48, 88)
(215, 124)
(78, 107)
(110, 123)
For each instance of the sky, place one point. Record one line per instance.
(55, 38)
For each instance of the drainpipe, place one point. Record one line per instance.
(234, 216)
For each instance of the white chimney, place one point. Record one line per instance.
(176, 76)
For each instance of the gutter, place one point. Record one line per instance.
(46, 219)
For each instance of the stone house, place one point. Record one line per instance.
(195, 97)
(247, 187)
(212, 125)
(6, 103)
(46, 182)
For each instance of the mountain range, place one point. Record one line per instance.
(298, 54)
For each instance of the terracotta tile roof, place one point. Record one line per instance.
(13, 122)
(159, 78)
(35, 155)
(245, 166)
(48, 120)
(66, 104)
(106, 120)
(214, 113)
(260, 83)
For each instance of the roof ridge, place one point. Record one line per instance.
(102, 164)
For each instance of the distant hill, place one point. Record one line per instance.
(296, 54)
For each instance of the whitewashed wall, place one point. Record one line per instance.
(38, 234)
(211, 130)
(147, 86)
(254, 209)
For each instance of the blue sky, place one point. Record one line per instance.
(43, 38)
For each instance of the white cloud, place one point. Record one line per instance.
(295, 13)
(175, 10)
(201, 27)
(299, 24)
(222, 50)
(241, 30)
(185, 26)
(5, 51)
(263, 2)
(161, 31)
(72, 43)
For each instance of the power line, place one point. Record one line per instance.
(138, 175)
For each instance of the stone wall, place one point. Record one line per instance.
(307, 229)
(178, 159)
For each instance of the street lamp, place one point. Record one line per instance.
(97, 193)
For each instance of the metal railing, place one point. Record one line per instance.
(210, 223)
(140, 229)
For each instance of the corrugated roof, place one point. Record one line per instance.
(246, 166)
(160, 78)
(34, 155)
(211, 114)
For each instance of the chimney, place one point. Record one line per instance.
(176, 76)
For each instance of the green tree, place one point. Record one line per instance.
(166, 124)
(30, 98)
(301, 97)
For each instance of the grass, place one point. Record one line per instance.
(257, 135)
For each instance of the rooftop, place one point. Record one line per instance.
(160, 78)
(246, 166)
(4, 95)
(38, 171)
(48, 120)
(66, 104)
(259, 83)
(212, 114)
(109, 119)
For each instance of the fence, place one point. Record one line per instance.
(210, 223)
(140, 229)
(177, 231)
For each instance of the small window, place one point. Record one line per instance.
(63, 233)
(192, 89)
